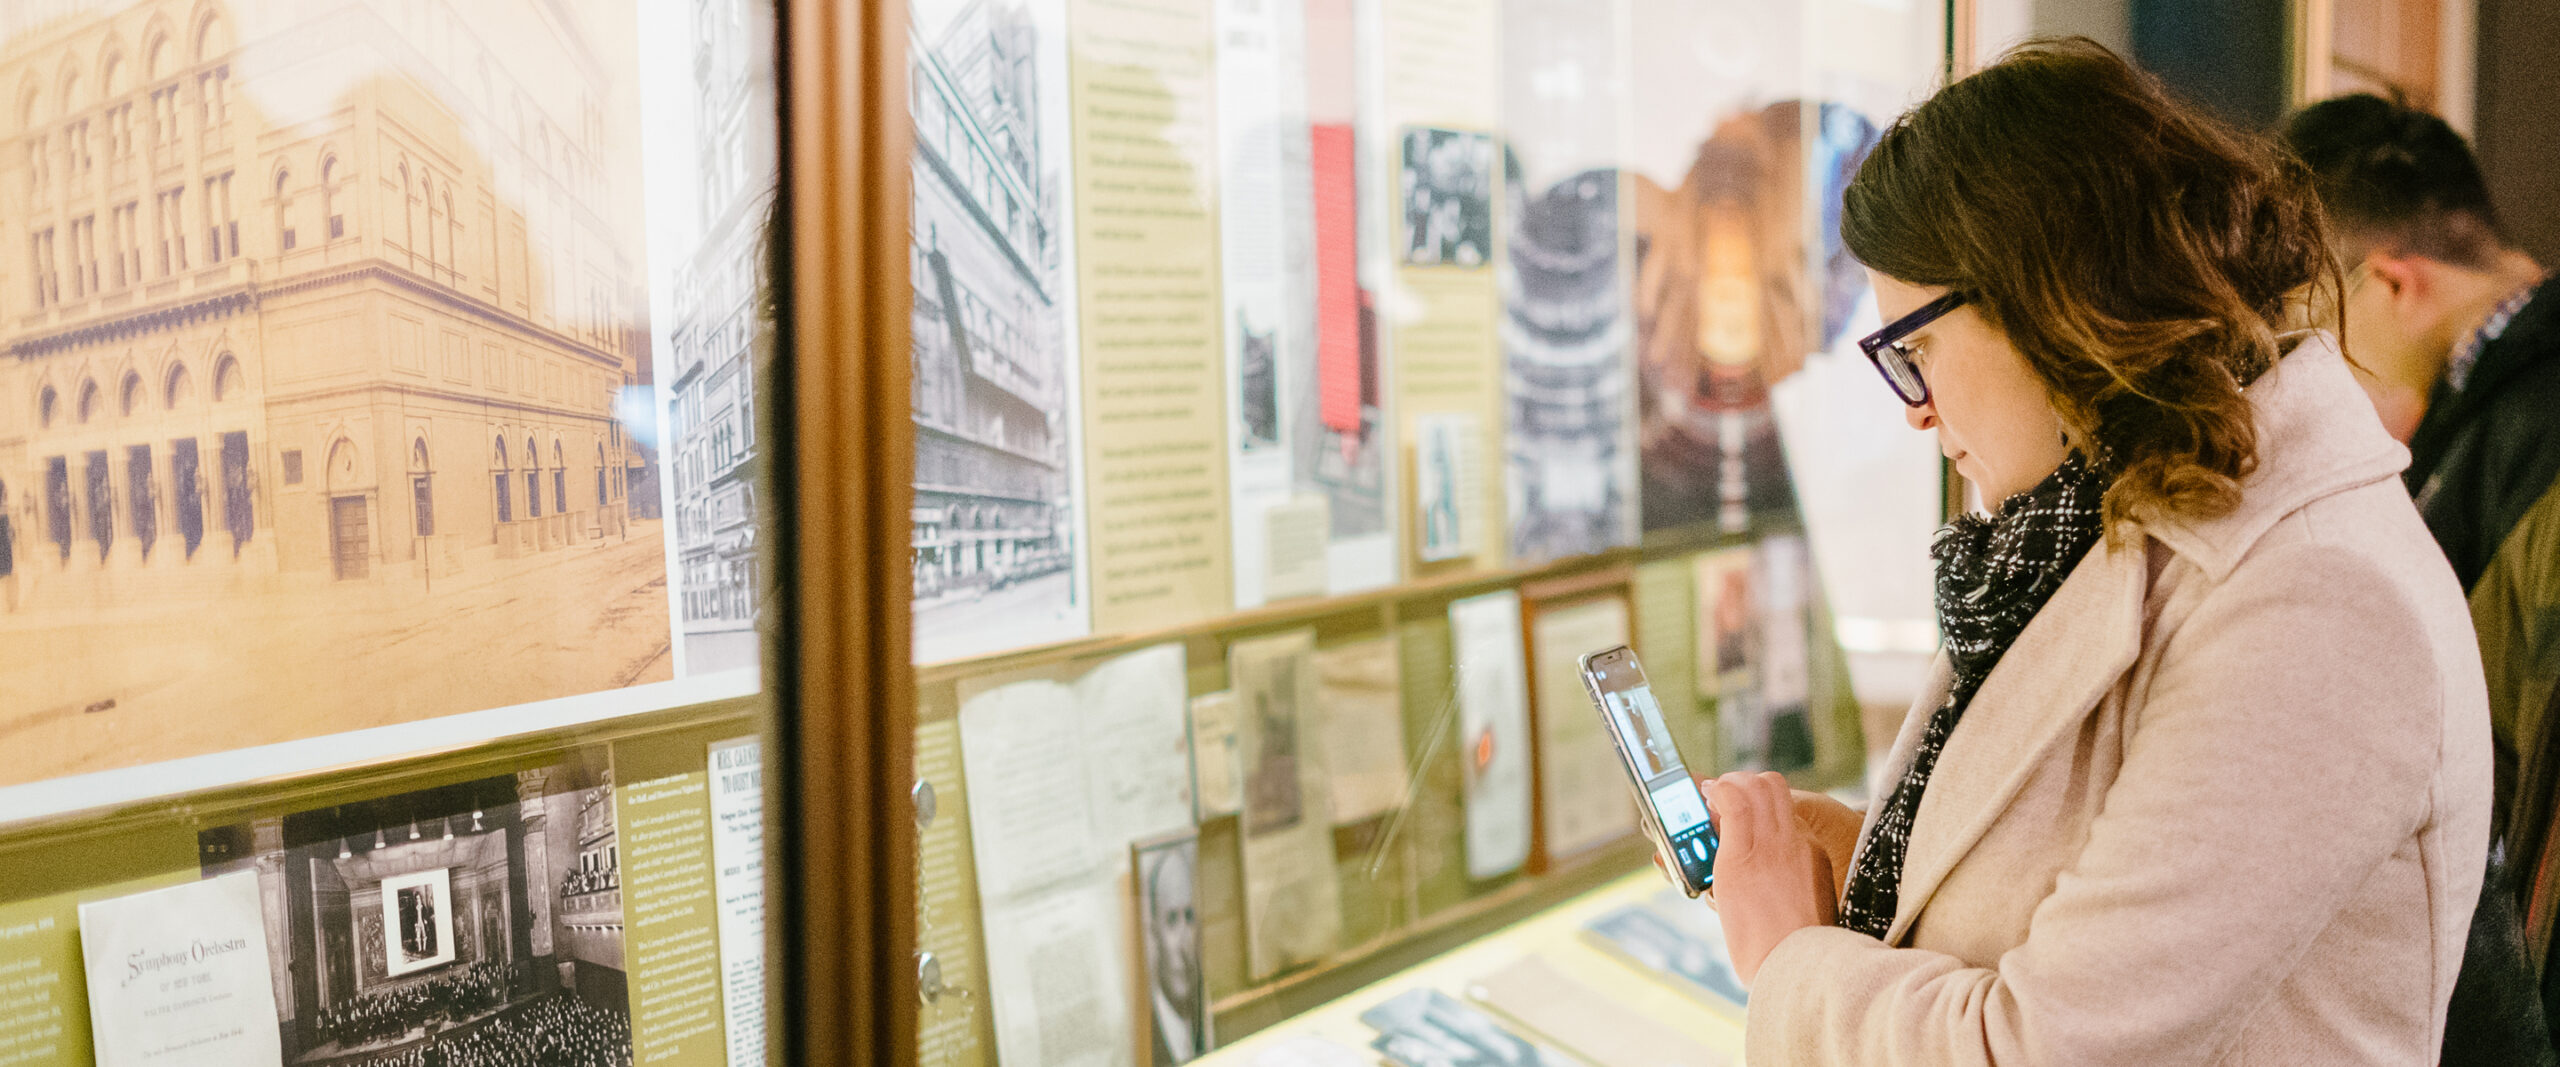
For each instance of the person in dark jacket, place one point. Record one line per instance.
(2447, 317)
(2456, 334)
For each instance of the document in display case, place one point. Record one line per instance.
(179, 976)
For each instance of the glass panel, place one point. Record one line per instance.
(1300, 390)
(369, 699)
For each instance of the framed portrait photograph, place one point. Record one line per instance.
(417, 921)
(1165, 871)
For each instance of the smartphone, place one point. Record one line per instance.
(1674, 813)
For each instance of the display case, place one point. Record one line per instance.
(380, 548)
(1298, 388)
(705, 532)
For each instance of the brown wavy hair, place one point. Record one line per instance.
(2142, 255)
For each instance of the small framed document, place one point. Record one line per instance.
(178, 977)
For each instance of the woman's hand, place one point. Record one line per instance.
(1831, 824)
(1834, 826)
(1774, 875)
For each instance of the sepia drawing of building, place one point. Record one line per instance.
(711, 400)
(312, 301)
(991, 498)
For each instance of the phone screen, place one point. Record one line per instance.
(1627, 701)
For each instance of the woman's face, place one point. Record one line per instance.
(1989, 409)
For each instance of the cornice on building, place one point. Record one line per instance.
(252, 294)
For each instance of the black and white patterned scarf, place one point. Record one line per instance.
(1994, 574)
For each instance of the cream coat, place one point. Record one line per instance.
(2225, 800)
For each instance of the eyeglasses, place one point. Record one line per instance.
(1892, 358)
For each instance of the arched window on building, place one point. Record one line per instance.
(427, 190)
(226, 379)
(452, 232)
(88, 407)
(212, 38)
(600, 485)
(39, 164)
(559, 479)
(48, 403)
(213, 85)
(336, 223)
(422, 488)
(180, 388)
(129, 398)
(284, 209)
(498, 476)
(532, 480)
(111, 88)
(408, 212)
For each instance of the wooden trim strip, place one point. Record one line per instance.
(843, 855)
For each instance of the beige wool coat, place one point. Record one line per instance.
(2224, 801)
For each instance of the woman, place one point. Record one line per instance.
(2202, 775)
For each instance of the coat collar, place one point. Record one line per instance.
(2316, 437)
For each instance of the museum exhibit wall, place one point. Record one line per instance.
(406, 610)
(380, 552)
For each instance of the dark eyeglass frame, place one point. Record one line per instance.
(1892, 360)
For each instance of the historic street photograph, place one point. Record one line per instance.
(994, 547)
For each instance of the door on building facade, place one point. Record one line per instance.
(237, 515)
(349, 537)
(140, 499)
(101, 498)
(186, 492)
(57, 503)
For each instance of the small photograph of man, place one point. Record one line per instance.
(1169, 927)
(418, 922)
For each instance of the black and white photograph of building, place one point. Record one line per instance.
(472, 925)
(720, 338)
(1447, 187)
(995, 523)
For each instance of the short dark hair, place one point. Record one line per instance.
(2396, 178)
(2141, 254)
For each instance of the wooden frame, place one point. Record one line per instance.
(842, 941)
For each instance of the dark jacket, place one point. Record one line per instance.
(2483, 455)
(2482, 459)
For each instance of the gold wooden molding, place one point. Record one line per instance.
(843, 843)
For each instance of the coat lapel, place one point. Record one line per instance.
(2048, 681)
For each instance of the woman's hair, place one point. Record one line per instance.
(2139, 253)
